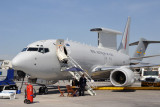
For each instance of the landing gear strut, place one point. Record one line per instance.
(43, 90)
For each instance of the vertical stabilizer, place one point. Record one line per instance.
(141, 48)
(124, 45)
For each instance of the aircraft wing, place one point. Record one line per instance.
(127, 66)
(143, 65)
(1, 60)
(106, 68)
(134, 62)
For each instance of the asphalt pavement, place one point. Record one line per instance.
(104, 98)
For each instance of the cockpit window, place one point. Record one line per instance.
(43, 50)
(46, 50)
(32, 49)
(24, 49)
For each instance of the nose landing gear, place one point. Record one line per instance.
(43, 90)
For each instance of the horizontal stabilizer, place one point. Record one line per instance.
(136, 58)
(142, 45)
(134, 43)
(148, 42)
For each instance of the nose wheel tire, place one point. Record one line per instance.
(43, 90)
(46, 90)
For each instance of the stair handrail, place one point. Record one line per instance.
(89, 79)
(76, 64)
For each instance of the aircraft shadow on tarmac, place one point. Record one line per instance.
(54, 90)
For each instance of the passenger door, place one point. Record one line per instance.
(60, 50)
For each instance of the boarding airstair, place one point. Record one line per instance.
(70, 65)
(76, 71)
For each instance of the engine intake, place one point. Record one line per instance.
(122, 77)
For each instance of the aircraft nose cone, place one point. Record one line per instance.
(18, 62)
(15, 63)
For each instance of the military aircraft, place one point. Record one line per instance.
(51, 60)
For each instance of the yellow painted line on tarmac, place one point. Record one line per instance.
(127, 88)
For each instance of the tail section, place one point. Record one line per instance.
(142, 45)
(124, 46)
(141, 48)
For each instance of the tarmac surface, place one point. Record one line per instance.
(104, 98)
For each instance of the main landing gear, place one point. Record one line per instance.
(43, 90)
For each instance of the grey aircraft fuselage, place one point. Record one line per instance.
(47, 66)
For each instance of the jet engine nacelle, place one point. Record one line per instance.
(122, 77)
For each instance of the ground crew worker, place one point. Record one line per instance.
(75, 82)
(82, 84)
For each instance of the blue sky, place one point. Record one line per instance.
(25, 21)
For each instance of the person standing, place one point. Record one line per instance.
(82, 84)
(75, 82)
